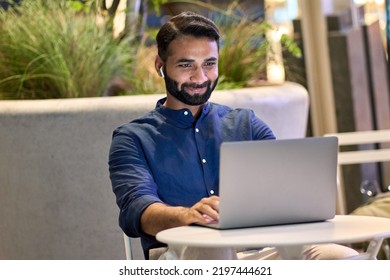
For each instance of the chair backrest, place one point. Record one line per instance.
(381, 154)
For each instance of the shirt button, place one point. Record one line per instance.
(197, 129)
(185, 113)
(212, 192)
(203, 160)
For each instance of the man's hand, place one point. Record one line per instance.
(207, 210)
(159, 216)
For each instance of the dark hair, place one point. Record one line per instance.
(185, 23)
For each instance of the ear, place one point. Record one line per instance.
(158, 64)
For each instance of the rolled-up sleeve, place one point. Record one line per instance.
(131, 180)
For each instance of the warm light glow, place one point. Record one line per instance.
(275, 67)
(363, 2)
(120, 19)
(275, 1)
(360, 2)
(275, 73)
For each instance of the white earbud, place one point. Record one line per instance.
(162, 72)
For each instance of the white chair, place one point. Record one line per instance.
(128, 251)
(133, 248)
(382, 154)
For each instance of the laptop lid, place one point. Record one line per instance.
(275, 182)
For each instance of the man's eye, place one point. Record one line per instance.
(185, 65)
(210, 64)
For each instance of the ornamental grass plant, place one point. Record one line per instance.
(50, 50)
(66, 49)
(244, 52)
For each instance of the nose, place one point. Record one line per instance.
(199, 76)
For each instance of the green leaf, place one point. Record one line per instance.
(76, 6)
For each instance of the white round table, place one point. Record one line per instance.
(288, 239)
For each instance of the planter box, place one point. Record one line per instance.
(55, 195)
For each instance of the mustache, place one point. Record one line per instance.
(195, 85)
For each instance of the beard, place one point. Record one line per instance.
(189, 99)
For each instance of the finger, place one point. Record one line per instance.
(190, 216)
(208, 208)
(212, 201)
(209, 219)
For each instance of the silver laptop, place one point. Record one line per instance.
(277, 182)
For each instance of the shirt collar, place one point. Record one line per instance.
(181, 118)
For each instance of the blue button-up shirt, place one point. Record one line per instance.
(169, 156)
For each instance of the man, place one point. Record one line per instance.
(164, 165)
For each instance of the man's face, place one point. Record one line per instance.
(191, 69)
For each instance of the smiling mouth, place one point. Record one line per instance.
(196, 89)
